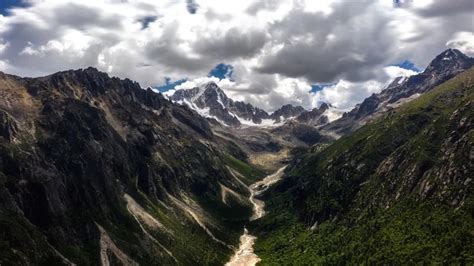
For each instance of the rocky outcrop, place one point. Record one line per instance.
(287, 111)
(8, 126)
(445, 66)
(211, 101)
(315, 117)
(83, 140)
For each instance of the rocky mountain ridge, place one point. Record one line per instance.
(211, 102)
(95, 170)
(443, 67)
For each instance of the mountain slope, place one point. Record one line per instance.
(445, 66)
(397, 191)
(95, 169)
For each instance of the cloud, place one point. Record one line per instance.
(463, 41)
(345, 94)
(262, 5)
(446, 8)
(278, 48)
(231, 44)
(352, 43)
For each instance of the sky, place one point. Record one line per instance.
(268, 52)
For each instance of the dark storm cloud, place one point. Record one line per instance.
(165, 51)
(234, 44)
(23, 33)
(441, 8)
(80, 17)
(350, 43)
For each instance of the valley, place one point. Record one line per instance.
(245, 254)
(95, 170)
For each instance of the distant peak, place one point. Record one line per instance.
(212, 84)
(289, 105)
(92, 69)
(452, 51)
(451, 54)
(450, 59)
(324, 106)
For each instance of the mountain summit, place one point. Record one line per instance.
(210, 101)
(444, 67)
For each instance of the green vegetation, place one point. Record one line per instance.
(184, 238)
(251, 173)
(383, 195)
(404, 234)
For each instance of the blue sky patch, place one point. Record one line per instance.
(319, 87)
(6, 5)
(407, 64)
(222, 71)
(169, 85)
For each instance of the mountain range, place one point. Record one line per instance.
(95, 170)
(211, 101)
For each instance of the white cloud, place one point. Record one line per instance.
(3, 46)
(464, 41)
(345, 94)
(277, 47)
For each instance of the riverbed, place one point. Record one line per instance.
(244, 255)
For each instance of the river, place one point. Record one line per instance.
(244, 255)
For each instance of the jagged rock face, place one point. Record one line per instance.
(449, 63)
(248, 112)
(73, 143)
(287, 111)
(8, 127)
(445, 66)
(211, 101)
(314, 117)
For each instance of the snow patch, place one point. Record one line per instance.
(204, 112)
(219, 100)
(402, 79)
(264, 123)
(333, 114)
